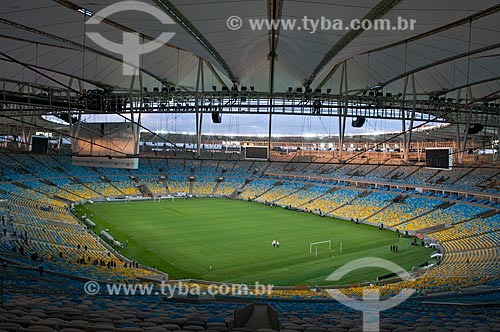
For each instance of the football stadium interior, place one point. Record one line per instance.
(237, 165)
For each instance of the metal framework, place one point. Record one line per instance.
(20, 99)
(40, 100)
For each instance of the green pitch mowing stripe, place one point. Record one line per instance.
(230, 240)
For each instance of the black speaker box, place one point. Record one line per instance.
(358, 122)
(216, 117)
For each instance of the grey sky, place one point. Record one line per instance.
(245, 124)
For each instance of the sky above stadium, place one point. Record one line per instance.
(255, 124)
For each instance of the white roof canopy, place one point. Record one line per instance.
(454, 44)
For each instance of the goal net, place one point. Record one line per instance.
(313, 246)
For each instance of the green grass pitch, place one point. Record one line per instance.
(230, 241)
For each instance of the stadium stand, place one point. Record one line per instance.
(450, 215)
(365, 206)
(279, 192)
(42, 224)
(258, 187)
(410, 208)
(303, 196)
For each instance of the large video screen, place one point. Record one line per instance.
(111, 144)
(39, 144)
(438, 158)
(257, 152)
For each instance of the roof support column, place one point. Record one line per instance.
(73, 134)
(80, 86)
(24, 127)
(403, 119)
(270, 128)
(407, 133)
(458, 153)
(136, 133)
(199, 117)
(70, 84)
(274, 8)
(142, 104)
(412, 116)
(467, 126)
(130, 91)
(202, 78)
(132, 83)
(343, 108)
(26, 138)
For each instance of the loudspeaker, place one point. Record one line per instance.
(358, 122)
(475, 128)
(216, 117)
(317, 107)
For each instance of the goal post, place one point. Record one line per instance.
(315, 245)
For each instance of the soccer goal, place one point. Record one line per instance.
(316, 244)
